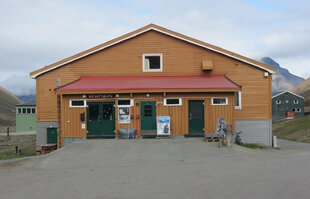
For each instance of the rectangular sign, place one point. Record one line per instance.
(100, 96)
(218, 126)
(163, 125)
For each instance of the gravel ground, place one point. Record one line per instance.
(165, 168)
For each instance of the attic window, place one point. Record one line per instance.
(152, 62)
(278, 102)
(295, 101)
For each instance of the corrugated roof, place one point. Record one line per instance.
(150, 82)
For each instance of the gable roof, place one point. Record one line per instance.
(142, 30)
(287, 92)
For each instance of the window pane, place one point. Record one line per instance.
(153, 61)
(148, 111)
(107, 112)
(77, 103)
(236, 98)
(33, 110)
(172, 101)
(219, 100)
(94, 112)
(123, 102)
(24, 110)
(19, 110)
(28, 110)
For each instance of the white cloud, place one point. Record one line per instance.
(37, 33)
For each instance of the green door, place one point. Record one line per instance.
(51, 135)
(100, 118)
(148, 118)
(196, 117)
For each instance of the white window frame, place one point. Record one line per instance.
(179, 104)
(298, 110)
(295, 101)
(278, 101)
(71, 100)
(131, 103)
(239, 98)
(212, 100)
(152, 54)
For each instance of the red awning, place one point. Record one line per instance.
(162, 82)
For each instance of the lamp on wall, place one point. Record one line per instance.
(117, 95)
(84, 96)
(147, 95)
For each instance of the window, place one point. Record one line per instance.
(77, 103)
(152, 62)
(24, 110)
(33, 110)
(125, 102)
(295, 101)
(172, 101)
(28, 110)
(219, 101)
(286, 101)
(238, 100)
(298, 110)
(278, 101)
(19, 110)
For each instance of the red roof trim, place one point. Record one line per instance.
(150, 82)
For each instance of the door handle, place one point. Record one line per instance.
(190, 116)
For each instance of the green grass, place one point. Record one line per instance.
(296, 129)
(254, 146)
(11, 154)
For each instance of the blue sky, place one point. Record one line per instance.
(36, 33)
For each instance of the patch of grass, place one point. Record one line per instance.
(254, 146)
(295, 130)
(10, 154)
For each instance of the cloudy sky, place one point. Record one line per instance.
(36, 33)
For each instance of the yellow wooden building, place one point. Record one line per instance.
(149, 75)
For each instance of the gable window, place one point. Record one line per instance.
(278, 102)
(298, 110)
(295, 101)
(238, 100)
(77, 103)
(152, 62)
(172, 101)
(219, 101)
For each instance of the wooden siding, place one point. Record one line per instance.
(179, 58)
(178, 114)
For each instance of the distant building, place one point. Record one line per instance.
(283, 104)
(26, 117)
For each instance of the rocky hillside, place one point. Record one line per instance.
(303, 89)
(282, 79)
(8, 103)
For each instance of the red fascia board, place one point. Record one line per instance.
(150, 82)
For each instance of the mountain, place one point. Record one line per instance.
(282, 79)
(303, 89)
(8, 103)
(27, 98)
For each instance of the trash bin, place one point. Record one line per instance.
(129, 133)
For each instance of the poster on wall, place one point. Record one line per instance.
(163, 125)
(218, 126)
(123, 115)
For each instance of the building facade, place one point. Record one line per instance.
(287, 102)
(148, 77)
(26, 117)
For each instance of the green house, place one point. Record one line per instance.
(286, 102)
(26, 117)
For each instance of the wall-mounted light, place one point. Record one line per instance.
(84, 96)
(117, 95)
(147, 95)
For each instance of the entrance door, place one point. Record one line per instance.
(148, 118)
(196, 117)
(51, 135)
(100, 118)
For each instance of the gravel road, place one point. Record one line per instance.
(152, 168)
